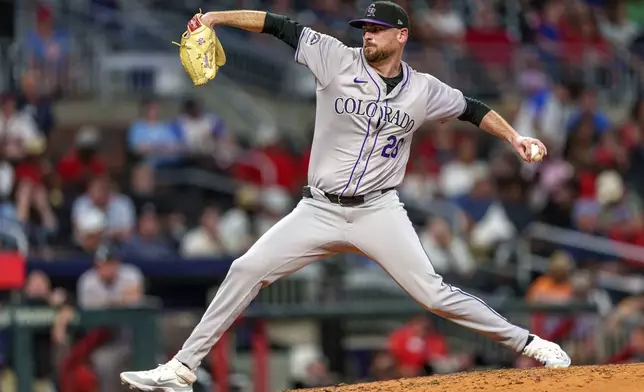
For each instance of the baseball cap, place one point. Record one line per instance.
(87, 136)
(92, 221)
(384, 13)
(609, 187)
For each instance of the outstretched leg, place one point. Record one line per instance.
(383, 232)
(308, 233)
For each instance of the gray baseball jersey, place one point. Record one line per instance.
(362, 134)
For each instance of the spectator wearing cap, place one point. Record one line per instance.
(81, 163)
(619, 208)
(148, 242)
(17, 129)
(90, 231)
(117, 207)
(110, 283)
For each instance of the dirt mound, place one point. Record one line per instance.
(613, 378)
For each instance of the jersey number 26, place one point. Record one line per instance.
(391, 149)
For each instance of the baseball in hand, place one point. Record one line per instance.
(535, 153)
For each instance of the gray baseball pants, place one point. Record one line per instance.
(378, 229)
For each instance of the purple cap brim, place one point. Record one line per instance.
(359, 22)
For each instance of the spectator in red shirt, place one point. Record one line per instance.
(269, 164)
(81, 163)
(31, 191)
(416, 345)
(284, 161)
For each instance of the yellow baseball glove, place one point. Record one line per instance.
(200, 51)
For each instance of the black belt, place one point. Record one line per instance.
(341, 200)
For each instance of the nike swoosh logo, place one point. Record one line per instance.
(356, 80)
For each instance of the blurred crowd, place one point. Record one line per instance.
(71, 203)
(482, 42)
(488, 47)
(62, 192)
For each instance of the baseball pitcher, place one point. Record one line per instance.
(369, 104)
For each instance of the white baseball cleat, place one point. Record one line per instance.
(170, 377)
(548, 353)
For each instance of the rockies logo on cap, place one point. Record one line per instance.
(383, 13)
(371, 11)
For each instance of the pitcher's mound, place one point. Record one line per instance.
(612, 378)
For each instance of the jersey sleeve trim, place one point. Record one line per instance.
(306, 32)
(407, 77)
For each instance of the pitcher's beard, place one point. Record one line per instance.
(376, 56)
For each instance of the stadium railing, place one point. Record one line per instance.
(389, 315)
(528, 262)
(24, 322)
(322, 291)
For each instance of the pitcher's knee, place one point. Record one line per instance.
(432, 305)
(247, 266)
